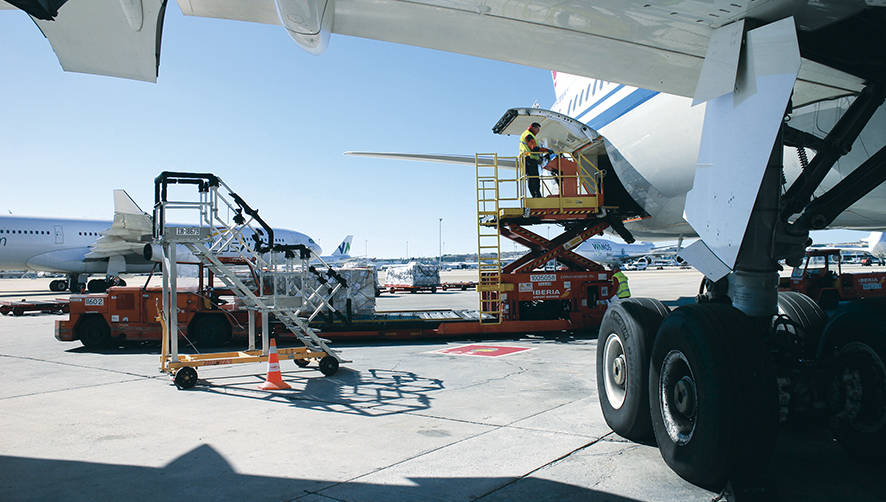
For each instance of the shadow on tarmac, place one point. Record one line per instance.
(204, 474)
(373, 393)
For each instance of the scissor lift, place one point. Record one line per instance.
(580, 288)
(221, 224)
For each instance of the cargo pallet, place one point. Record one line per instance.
(58, 306)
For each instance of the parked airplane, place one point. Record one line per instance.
(80, 248)
(762, 76)
(610, 252)
(341, 254)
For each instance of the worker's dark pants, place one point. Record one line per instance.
(532, 176)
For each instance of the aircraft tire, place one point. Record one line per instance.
(853, 349)
(713, 396)
(97, 286)
(624, 343)
(807, 318)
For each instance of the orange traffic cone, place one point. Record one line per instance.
(274, 380)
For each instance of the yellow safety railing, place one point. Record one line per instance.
(583, 188)
(488, 236)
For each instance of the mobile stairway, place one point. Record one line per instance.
(221, 229)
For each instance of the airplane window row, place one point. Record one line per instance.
(37, 232)
(94, 234)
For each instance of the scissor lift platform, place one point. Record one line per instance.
(575, 295)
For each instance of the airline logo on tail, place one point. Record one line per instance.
(344, 249)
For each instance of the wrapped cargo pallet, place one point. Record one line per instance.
(413, 274)
(360, 291)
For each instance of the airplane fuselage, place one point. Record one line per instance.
(653, 141)
(61, 245)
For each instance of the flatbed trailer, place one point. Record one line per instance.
(462, 285)
(393, 288)
(434, 324)
(57, 306)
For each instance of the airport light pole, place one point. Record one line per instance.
(440, 243)
(407, 250)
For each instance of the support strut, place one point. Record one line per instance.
(837, 143)
(543, 250)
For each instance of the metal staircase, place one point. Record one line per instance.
(213, 239)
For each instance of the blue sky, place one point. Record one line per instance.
(245, 102)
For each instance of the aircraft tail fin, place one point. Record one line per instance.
(344, 249)
(124, 204)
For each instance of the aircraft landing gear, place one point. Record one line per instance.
(624, 344)
(712, 396)
(75, 285)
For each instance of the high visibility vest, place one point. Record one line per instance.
(623, 290)
(524, 144)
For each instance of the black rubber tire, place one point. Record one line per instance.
(853, 350)
(212, 330)
(185, 378)
(301, 363)
(18, 312)
(328, 365)
(93, 331)
(120, 282)
(634, 321)
(731, 434)
(433, 290)
(808, 318)
(829, 299)
(58, 285)
(97, 286)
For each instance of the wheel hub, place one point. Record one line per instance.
(618, 370)
(615, 374)
(857, 390)
(678, 395)
(684, 396)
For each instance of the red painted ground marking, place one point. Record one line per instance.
(482, 350)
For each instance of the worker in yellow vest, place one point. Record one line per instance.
(528, 147)
(621, 290)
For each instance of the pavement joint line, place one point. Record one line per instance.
(493, 428)
(26, 358)
(547, 464)
(75, 388)
(308, 493)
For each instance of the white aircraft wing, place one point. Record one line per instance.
(119, 38)
(652, 45)
(468, 160)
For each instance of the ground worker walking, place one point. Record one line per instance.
(622, 290)
(528, 146)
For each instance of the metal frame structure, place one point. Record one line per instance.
(504, 210)
(207, 236)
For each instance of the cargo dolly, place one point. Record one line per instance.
(220, 221)
(57, 306)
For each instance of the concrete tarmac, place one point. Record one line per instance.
(402, 422)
